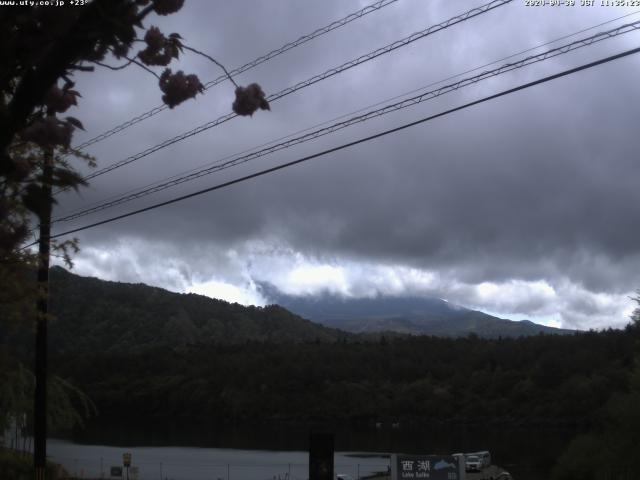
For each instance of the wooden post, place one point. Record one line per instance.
(321, 456)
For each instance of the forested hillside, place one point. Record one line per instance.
(550, 380)
(90, 314)
(96, 315)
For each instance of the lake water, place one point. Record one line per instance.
(262, 453)
(189, 463)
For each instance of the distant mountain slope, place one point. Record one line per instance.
(93, 315)
(415, 315)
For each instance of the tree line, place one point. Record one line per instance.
(554, 380)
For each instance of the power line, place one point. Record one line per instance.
(315, 79)
(395, 97)
(350, 144)
(247, 66)
(530, 60)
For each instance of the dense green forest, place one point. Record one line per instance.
(538, 380)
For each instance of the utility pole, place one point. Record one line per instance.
(42, 311)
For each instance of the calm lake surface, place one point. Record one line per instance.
(265, 452)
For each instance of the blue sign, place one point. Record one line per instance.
(426, 467)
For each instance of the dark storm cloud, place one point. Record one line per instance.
(538, 186)
(506, 198)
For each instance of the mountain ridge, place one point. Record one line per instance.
(403, 314)
(90, 314)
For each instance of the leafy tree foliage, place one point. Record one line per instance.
(69, 405)
(40, 50)
(611, 450)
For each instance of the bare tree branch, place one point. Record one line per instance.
(213, 60)
(143, 13)
(140, 64)
(111, 67)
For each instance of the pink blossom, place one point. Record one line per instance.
(178, 87)
(48, 132)
(166, 7)
(249, 99)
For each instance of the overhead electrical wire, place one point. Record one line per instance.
(395, 97)
(315, 79)
(530, 60)
(353, 143)
(247, 66)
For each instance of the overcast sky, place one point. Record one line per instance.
(524, 207)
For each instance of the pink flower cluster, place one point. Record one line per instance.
(48, 132)
(60, 99)
(178, 87)
(160, 50)
(167, 7)
(249, 99)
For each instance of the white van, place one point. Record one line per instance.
(473, 463)
(479, 460)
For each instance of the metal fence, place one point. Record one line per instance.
(79, 468)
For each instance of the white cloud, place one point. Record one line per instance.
(245, 295)
(310, 279)
(516, 296)
(234, 275)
